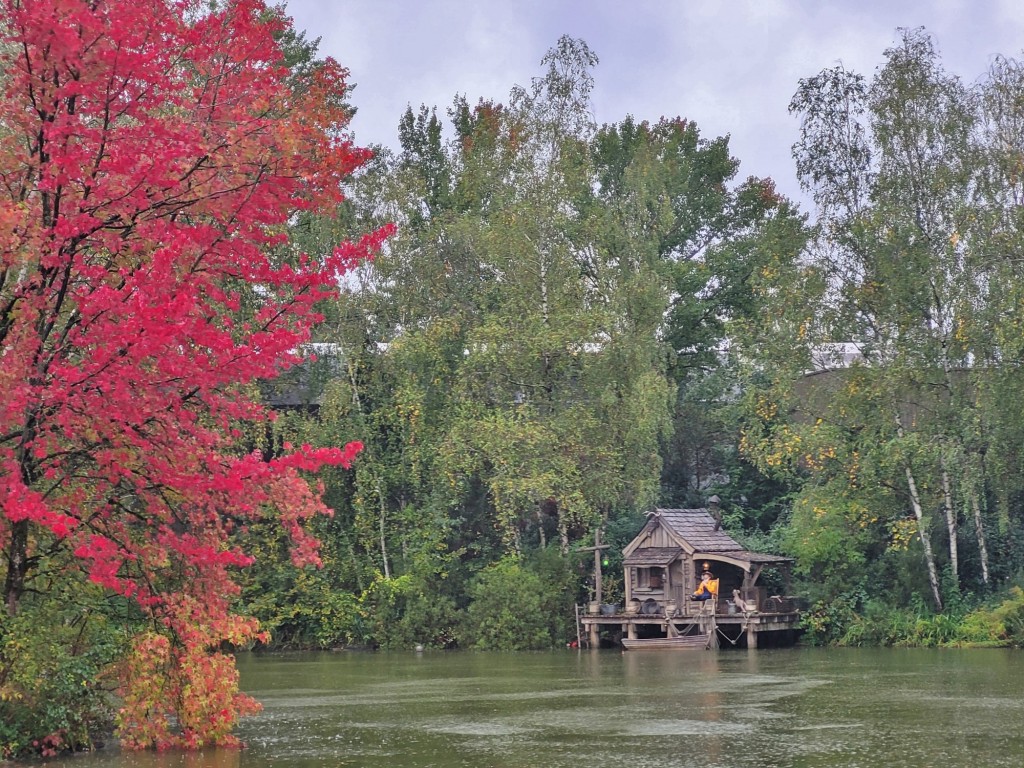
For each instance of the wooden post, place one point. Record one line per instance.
(594, 636)
(751, 636)
(713, 636)
(598, 546)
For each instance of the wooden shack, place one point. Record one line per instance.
(663, 566)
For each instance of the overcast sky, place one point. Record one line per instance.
(729, 65)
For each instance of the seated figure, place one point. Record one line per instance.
(708, 587)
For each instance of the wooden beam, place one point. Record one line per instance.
(596, 549)
(756, 574)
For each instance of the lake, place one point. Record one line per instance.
(787, 708)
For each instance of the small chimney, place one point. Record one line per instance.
(716, 513)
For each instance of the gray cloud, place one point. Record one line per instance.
(729, 65)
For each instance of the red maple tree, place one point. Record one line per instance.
(151, 155)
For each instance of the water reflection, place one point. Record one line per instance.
(795, 708)
(211, 758)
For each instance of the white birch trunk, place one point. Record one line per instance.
(979, 527)
(951, 523)
(922, 528)
(922, 525)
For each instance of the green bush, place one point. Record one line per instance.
(408, 611)
(1003, 624)
(878, 625)
(507, 609)
(430, 620)
(934, 631)
(382, 607)
(54, 659)
(303, 609)
(881, 625)
(1011, 614)
(982, 627)
(559, 586)
(827, 621)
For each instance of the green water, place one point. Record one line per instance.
(729, 709)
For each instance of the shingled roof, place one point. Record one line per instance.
(696, 527)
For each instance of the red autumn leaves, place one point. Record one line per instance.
(151, 156)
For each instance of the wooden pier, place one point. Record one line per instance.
(777, 626)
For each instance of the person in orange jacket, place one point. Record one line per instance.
(707, 588)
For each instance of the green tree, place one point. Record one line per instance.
(910, 175)
(668, 200)
(523, 389)
(511, 360)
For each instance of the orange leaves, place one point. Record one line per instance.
(179, 697)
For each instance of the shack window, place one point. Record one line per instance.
(648, 578)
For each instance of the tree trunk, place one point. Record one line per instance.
(951, 522)
(17, 566)
(922, 527)
(17, 555)
(979, 527)
(383, 541)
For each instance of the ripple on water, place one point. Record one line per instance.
(755, 712)
(779, 711)
(684, 728)
(484, 728)
(759, 686)
(419, 695)
(978, 702)
(828, 726)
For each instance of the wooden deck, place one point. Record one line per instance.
(745, 630)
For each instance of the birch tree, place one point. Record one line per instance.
(913, 175)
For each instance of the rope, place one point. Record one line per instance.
(738, 636)
(686, 629)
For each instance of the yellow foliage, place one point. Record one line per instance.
(902, 533)
(766, 409)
